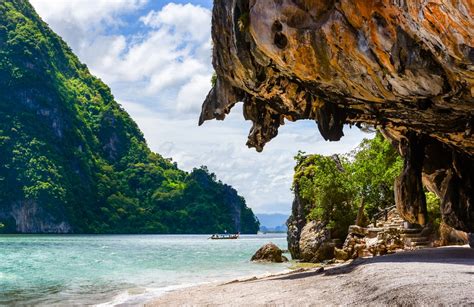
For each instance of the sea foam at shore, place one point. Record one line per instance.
(116, 269)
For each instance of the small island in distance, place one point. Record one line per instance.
(273, 222)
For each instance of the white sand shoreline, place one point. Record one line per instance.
(424, 277)
(130, 297)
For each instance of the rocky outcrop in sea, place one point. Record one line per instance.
(270, 252)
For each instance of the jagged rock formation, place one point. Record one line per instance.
(295, 223)
(406, 67)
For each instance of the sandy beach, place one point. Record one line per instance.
(423, 277)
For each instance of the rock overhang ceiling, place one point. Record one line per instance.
(405, 67)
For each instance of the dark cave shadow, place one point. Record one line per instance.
(445, 255)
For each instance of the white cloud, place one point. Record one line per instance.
(188, 21)
(192, 94)
(172, 49)
(176, 73)
(85, 13)
(75, 20)
(161, 74)
(264, 179)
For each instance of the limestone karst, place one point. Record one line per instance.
(405, 67)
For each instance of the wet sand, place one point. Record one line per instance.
(423, 277)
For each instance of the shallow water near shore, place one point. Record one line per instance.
(114, 269)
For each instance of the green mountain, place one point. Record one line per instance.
(72, 160)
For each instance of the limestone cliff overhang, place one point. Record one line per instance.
(405, 67)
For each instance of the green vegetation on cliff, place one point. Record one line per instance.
(334, 188)
(72, 160)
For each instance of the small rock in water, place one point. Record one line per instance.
(269, 253)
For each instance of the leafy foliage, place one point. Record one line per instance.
(433, 204)
(375, 165)
(66, 145)
(214, 79)
(334, 187)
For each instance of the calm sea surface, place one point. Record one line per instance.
(116, 269)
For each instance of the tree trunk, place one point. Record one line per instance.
(361, 218)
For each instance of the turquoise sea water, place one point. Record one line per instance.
(114, 269)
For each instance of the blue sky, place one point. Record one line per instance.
(156, 57)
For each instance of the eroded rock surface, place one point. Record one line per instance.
(406, 67)
(295, 223)
(269, 253)
(315, 244)
(29, 217)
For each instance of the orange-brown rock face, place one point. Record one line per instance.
(406, 67)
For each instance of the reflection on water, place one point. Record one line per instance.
(97, 269)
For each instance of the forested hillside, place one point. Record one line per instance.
(72, 160)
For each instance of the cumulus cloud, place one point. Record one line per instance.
(80, 21)
(85, 13)
(188, 21)
(171, 52)
(264, 179)
(192, 94)
(161, 72)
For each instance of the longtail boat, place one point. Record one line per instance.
(224, 237)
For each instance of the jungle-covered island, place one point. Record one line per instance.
(73, 161)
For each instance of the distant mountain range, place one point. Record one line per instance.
(274, 222)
